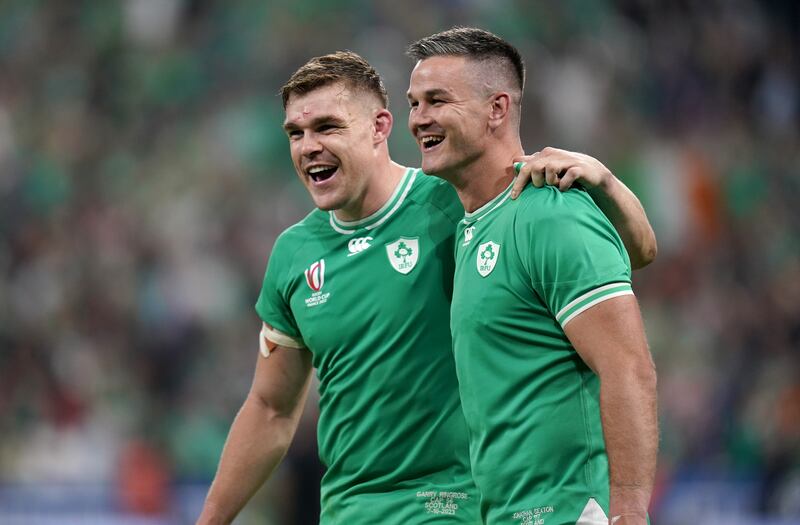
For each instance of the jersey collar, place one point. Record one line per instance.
(380, 216)
(489, 207)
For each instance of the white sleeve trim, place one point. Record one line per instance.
(588, 305)
(586, 296)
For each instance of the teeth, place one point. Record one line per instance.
(321, 172)
(317, 169)
(432, 139)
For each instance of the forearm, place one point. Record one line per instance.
(257, 442)
(626, 213)
(630, 427)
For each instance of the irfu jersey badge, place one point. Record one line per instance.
(403, 254)
(488, 253)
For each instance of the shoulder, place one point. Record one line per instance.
(305, 228)
(435, 192)
(552, 223)
(427, 185)
(545, 204)
(293, 238)
(547, 218)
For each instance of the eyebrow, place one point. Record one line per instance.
(323, 119)
(435, 92)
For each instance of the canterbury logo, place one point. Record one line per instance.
(358, 245)
(468, 232)
(315, 275)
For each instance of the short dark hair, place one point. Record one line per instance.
(471, 42)
(341, 66)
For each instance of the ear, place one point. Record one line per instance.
(499, 109)
(382, 122)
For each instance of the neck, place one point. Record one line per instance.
(382, 183)
(484, 179)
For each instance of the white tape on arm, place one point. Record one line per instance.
(277, 338)
(618, 517)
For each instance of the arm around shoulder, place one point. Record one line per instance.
(261, 433)
(627, 214)
(561, 168)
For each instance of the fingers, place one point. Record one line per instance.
(519, 182)
(552, 171)
(537, 177)
(559, 167)
(555, 167)
(569, 178)
(526, 173)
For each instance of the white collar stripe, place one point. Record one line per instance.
(397, 204)
(337, 228)
(489, 207)
(400, 191)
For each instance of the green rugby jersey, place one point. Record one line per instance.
(371, 301)
(524, 269)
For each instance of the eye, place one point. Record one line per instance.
(326, 127)
(295, 134)
(436, 102)
(413, 104)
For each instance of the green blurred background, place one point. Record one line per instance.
(144, 176)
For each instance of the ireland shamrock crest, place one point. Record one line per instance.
(487, 257)
(403, 254)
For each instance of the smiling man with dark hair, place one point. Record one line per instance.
(556, 380)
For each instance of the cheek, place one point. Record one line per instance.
(469, 127)
(454, 122)
(294, 151)
(305, 181)
(366, 134)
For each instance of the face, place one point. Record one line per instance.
(331, 139)
(448, 115)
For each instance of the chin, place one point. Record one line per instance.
(435, 169)
(430, 168)
(325, 203)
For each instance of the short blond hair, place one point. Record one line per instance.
(342, 66)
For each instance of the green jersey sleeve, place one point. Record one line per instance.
(573, 254)
(273, 301)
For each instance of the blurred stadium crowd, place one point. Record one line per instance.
(144, 176)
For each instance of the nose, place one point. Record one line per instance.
(418, 118)
(310, 145)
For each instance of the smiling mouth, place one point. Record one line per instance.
(431, 141)
(321, 173)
